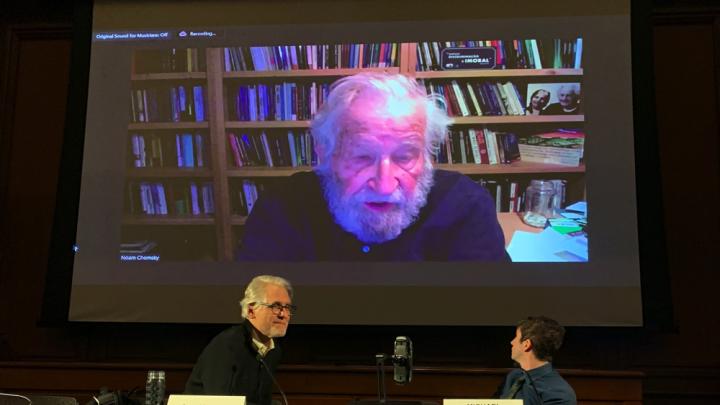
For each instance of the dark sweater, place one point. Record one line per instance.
(292, 223)
(230, 365)
(542, 385)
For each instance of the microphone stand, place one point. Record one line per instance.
(380, 363)
(382, 393)
(272, 377)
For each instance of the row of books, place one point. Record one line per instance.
(478, 98)
(479, 146)
(484, 146)
(168, 104)
(304, 57)
(291, 149)
(510, 54)
(190, 198)
(170, 60)
(300, 101)
(277, 102)
(153, 150)
(561, 147)
(509, 194)
(295, 148)
(246, 195)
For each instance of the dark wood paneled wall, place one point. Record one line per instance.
(320, 385)
(682, 366)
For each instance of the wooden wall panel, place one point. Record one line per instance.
(688, 133)
(38, 61)
(331, 385)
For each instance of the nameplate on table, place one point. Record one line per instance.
(482, 402)
(206, 400)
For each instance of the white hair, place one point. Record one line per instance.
(327, 126)
(570, 87)
(255, 291)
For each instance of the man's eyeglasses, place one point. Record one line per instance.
(277, 308)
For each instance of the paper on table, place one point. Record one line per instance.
(547, 246)
(580, 206)
(571, 215)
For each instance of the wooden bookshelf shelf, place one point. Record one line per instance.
(168, 172)
(305, 73)
(462, 74)
(513, 168)
(168, 220)
(169, 76)
(516, 119)
(238, 219)
(268, 124)
(266, 171)
(140, 126)
(487, 119)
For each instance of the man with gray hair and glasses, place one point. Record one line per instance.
(241, 360)
(375, 195)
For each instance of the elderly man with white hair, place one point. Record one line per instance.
(375, 195)
(242, 359)
(568, 95)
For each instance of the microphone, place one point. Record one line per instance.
(272, 377)
(402, 360)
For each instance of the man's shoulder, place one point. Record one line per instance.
(562, 384)
(560, 395)
(292, 195)
(557, 389)
(457, 187)
(229, 337)
(513, 374)
(295, 188)
(307, 178)
(447, 179)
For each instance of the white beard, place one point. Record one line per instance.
(369, 226)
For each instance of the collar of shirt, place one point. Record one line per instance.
(540, 371)
(261, 348)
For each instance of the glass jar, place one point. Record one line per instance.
(539, 203)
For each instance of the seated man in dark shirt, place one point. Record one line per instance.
(375, 196)
(242, 359)
(536, 382)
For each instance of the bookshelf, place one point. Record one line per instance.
(222, 92)
(498, 73)
(170, 153)
(463, 94)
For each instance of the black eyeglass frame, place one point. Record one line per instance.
(277, 308)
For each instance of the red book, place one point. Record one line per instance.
(450, 94)
(482, 146)
(381, 55)
(448, 104)
(235, 149)
(498, 55)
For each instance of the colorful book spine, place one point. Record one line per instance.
(199, 103)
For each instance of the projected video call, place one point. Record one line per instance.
(479, 161)
(494, 170)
